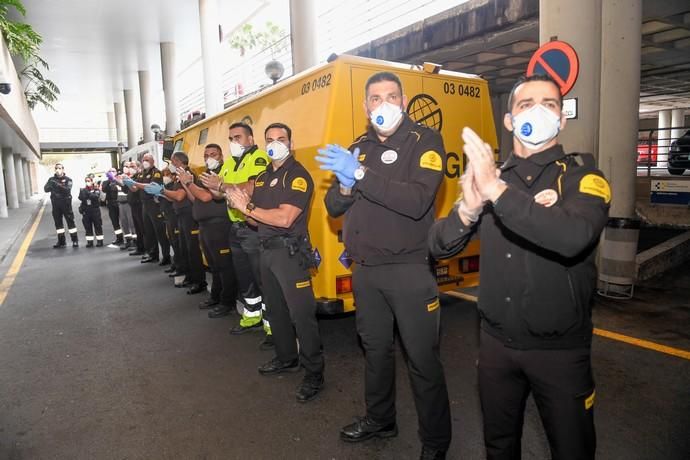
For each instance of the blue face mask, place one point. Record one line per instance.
(536, 126)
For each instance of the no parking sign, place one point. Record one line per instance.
(558, 60)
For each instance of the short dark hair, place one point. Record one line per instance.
(181, 156)
(383, 76)
(214, 146)
(59, 164)
(280, 126)
(248, 129)
(535, 77)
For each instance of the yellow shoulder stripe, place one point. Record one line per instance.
(433, 305)
(593, 184)
(431, 160)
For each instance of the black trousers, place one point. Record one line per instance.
(138, 218)
(562, 385)
(62, 207)
(244, 242)
(291, 306)
(215, 242)
(114, 214)
(91, 218)
(172, 230)
(192, 265)
(405, 295)
(154, 230)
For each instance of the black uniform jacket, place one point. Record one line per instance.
(390, 211)
(60, 188)
(537, 267)
(289, 184)
(152, 174)
(109, 187)
(215, 209)
(89, 199)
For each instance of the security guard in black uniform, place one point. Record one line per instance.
(60, 188)
(90, 211)
(110, 188)
(172, 227)
(190, 263)
(386, 189)
(134, 200)
(214, 227)
(539, 226)
(280, 207)
(154, 223)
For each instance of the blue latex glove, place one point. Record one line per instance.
(154, 189)
(345, 181)
(341, 161)
(128, 181)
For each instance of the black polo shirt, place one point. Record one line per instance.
(214, 209)
(290, 184)
(146, 177)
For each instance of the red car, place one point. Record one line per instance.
(646, 154)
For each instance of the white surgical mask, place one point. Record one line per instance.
(167, 180)
(536, 126)
(277, 151)
(212, 163)
(236, 149)
(386, 118)
(172, 168)
(146, 164)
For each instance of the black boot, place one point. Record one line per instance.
(119, 240)
(75, 241)
(61, 242)
(99, 243)
(89, 243)
(127, 245)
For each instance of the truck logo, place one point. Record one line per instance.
(424, 109)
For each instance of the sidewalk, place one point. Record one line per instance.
(14, 227)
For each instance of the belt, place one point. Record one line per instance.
(239, 224)
(277, 242)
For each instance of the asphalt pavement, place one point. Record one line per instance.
(102, 358)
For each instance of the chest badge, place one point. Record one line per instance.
(241, 166)
(389, 157)
(547, 197)
(273, 182)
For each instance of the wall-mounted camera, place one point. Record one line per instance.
(5, 85)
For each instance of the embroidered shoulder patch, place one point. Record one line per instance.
(589, 402)
(303, 284)
(299, 184)
(260, 161)
(433, 305)
(361, 157)
(431, 160)
(157, 175)
(595, 185)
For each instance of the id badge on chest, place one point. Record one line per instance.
(88, 202)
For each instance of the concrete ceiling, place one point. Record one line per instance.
(497, 39)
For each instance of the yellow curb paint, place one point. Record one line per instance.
(11, 274)
(608, 334)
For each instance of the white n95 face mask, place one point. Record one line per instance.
(167, 180)
(386, 118)
(536, 126)
(172, 168)
(236, 149)
(146, 164)
(212, 163)
(277, 151)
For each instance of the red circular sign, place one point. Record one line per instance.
(558, 60)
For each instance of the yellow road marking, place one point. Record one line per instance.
(608, 334)
(11, 274)
(643, 343)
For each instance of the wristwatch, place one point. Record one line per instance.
(359, 172)
(250, 207)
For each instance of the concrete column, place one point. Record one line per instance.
(172, 116)
(303, 34)
(145, 98)
(34, 177)
(129, 113)
(119, 122)
(19, 174)
(619, 109)
(27, 179)
(10, 178)
(112, 129)
(677, 123)
(579, 24)
(3, 196)
(210, 53)
(664, 136)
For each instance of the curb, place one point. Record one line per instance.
(22, 230)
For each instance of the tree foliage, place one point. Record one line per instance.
(23, 41)
(247, 38)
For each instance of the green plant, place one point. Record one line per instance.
(23, 41)
(247, 38)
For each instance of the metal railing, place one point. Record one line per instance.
(653, 146)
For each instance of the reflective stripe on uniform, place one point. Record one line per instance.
(195, 232)
(89, 238)
(250, 314)
(60, 231)
(118, 232)
(252, 300)
(99, 237)
(73, 230)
